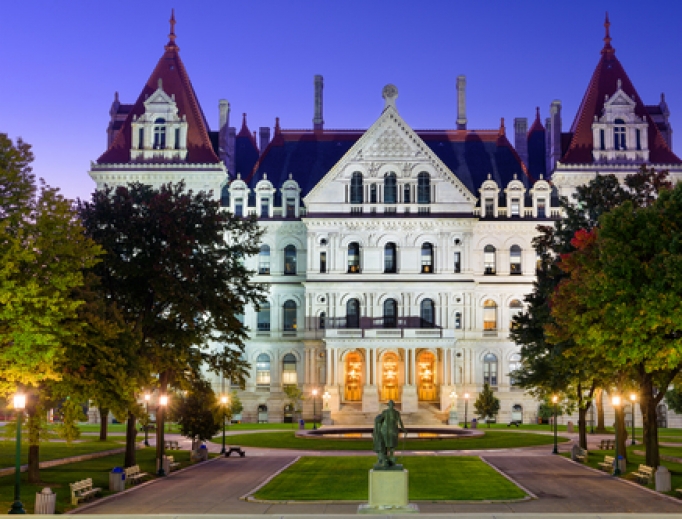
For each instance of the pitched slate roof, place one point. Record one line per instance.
(604, 83)
(175, 80)
(246, 151)
(537, 146)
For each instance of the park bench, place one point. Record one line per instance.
(607, 464)
(134, 475)
(172, 464)
(237, 449)
(607, 445)
(644, 474)
(580, 455)
(514, 422)
(171, 445)
(83, 491)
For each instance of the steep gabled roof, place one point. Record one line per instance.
(604, 84)
(175, 81)
(246, 150)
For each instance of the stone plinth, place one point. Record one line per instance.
(388, 493)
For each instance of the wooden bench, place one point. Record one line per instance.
(171, 445)
(172, 464)
(237, 449)
(644, 474)
(134, 475)
(83, 491)
(607, 464)
(514, 422)
(580, 455)
(607, 445)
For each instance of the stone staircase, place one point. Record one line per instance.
(427, 414)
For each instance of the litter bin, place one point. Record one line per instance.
(663, 479)
(45, 501)
(474, 423)
(117, 480)
(203, 453)
(301, 424)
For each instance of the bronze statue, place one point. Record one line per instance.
(387, 427)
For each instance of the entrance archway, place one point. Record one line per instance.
(517, 413)
(390, 377)
(262, 414)
(354, 379)
(426, 377)
(288, 413)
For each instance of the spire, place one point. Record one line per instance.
(502, 131)
(537, 124)
(244, 130)
(171, 45)
(278, 130)
(608, 49)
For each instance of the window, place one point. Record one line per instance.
(290, 260)
(140, 137)
(541, 208)
(489, 260)
(514, 365)
(458, 321)
(619, 135)
(515, 308)
(264, 317)
(515, 259)
(458, 262)
(239, 207)
(373, 194)
(423, 188)
(427, 258)
(356, 188)
(264, 260)
(160, 134)
(289, 369)
(177, 138)
(426, 314)
(264, 208)
(289, 316)
(291, 208)
(602, 145)
(490, 369)
(390, 188)
(638, 137)
(390, 313)
(390, 258)
(263, 370)
(322, 321)
(353, 258)
(489, 208)
(489, 316)
(406, 194)
(323, 262)
(353, 313)
(515, 210)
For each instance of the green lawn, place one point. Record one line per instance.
(491, 440)
(55, 450)
(452, 478)
(58, 478)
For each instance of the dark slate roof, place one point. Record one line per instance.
(537, 147)
(246, 151)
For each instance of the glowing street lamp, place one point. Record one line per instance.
(223, 403)
(633, 399)
(163, 402)
(466, 410)
(314, 409)
(615, 401)
(19, 406)
(147, 396)
(555, 399)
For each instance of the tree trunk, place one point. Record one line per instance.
(621, 432)
(161, 417)
(33, 436)
(103, 423)
(131, 434)
(34, 464)
(647, 405)
(599, 398)
(582, 426)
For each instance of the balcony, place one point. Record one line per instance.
(402, 327)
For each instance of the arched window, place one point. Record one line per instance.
(160, 134)
(619, 142)
(289, 316)
(353, 313)
(390, 263)
(354, 258)
(356, 188)
(426, 314)
(515, 308)
(264, 260)
(264, 317)
(517, 413)
(427, 258)
(373, 194)
(514, 365)
(489, 260)
(322, 321)
(490, 369)
(290, 260)
(406, 194)
(489, 316)
(263, 370)
(390, 313)
(289, 369)
(390, 188)
(515, 259)
(423, 188)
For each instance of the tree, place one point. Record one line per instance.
(174, 268)
(487, 404)
(70, 414)
(294, 396)
(194, 413)
(673, 398)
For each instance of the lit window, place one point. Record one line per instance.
(264, 260)
(290, 260)
(515, 308)
(489, 266)
(489, 316)
(515, 259)
(354, 258)
(263, 370)
(427, 258)
(289, 316)
(490, 369)
(289, 369)
(515, 208)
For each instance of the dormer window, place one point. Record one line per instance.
(390, 188)
(356, 188)
(160, 134)
(423, 188)
(619, 141)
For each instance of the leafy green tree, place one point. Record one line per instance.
(487, 404)
(70, 414)
(174, 269)
(673, 398)
(194, 413)
(294, 397)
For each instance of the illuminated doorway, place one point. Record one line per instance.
(390, 377)
(354, 369)
(426, 377)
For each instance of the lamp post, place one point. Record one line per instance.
(147, 396)
(592, 417)
(555, 399)
(314, 409)
(19, 405)
(466, 410)
(615, 401)
(163, 402)
(223, 402)
(633, 399)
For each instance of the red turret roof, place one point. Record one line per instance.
(175, 81)
(603, 85)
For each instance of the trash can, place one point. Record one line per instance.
(474, 423)
(46, 501)
(203, 453)
(622, 466)
(663, 479)
(117, 480)
(301, 424)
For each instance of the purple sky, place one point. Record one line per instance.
(62, 61)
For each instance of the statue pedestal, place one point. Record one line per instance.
(327, 417)
(453, 418)
(388, 493)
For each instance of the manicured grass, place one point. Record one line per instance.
(266, 426)
(447, 478)
(58, 478)
(55, 450)
(287, 440)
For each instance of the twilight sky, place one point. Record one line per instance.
(62, 62)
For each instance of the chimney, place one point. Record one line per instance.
(521, 138)
(548, 142)
(264, 132)
(555, 133)
(223, 124)
(461, 103)
(231, 145)
(318, 121)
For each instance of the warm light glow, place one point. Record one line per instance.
(466, 395)
(633, 397)
(223, 400)
(19, 401)
(555, 399)
(326, 394)
(163, 400)
(453, 395)
(615, 400)
(147, 396)
(314, 392)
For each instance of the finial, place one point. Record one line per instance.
(502, 129)
(277, 128)
(239, 176)
(490, 176)
(608, 49)
(390, 94)
(171, 45)
(291, 176)
(537, 113)
(619, 84)
(265, 176)
(515, 177)
(159, 84)
(116, 96)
